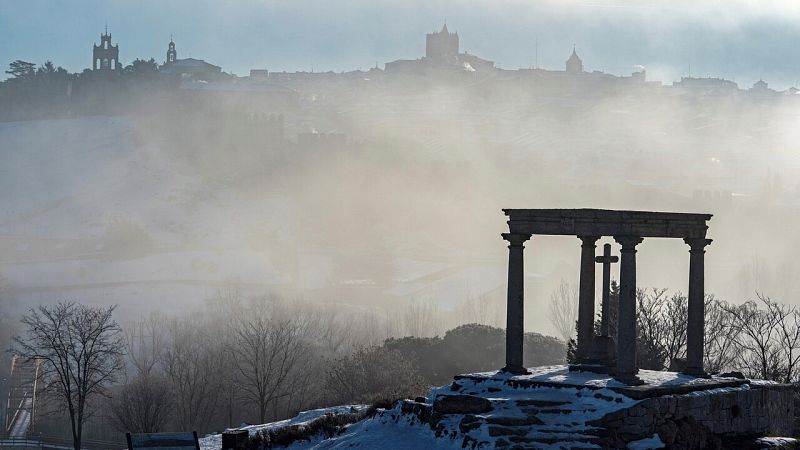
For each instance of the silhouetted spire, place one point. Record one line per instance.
(444, 28)
(574, 63)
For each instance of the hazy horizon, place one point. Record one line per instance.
(742, 40)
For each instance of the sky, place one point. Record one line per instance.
(741, 40)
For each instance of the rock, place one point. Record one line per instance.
(667, 432)
(495, 431)
(525, 421)
(733, 374)
(461, 404)
(469, 423)
(677, 365)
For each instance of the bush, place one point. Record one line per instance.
(472, 348)
(373, 374)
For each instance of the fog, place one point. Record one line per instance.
(380, 190)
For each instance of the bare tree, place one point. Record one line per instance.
(482, 309)
(650, 328)
(422, 318)
(721, 329)
(758, 354)
(193, 363)
(788, 335)
(676, 318)
(563, 309)
(143, 405)
(265, 350)
(82, 350)
(145, 341)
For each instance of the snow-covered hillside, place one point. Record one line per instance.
(551, 408)
(564, 414)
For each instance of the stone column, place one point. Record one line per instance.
(515, 309)
(626, 327)
(586, 298)
(696, 309)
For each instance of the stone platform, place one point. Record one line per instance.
(553, 406)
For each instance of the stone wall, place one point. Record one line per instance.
(749, 410)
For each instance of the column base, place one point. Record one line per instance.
(599, 367)
(697, 373)
(515, 370)
(630, 380)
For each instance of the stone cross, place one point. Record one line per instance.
(606, 260)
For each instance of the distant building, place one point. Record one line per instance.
(442, 57)
(574, 63)
(706, 86)
(195, 69)
(442, 45)
(105, 57)
(172, 54)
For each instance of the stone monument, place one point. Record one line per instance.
(628, 228)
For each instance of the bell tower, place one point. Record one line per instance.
(172, 54)
(105, 57)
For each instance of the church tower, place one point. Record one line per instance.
(105, 57)
(441, 45)
(172, 54)
(574, 63)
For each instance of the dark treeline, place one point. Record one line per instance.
(259, 359)
(758, 339)
(255, 360)
(49, 91)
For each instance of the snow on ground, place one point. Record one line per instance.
(382, 432)
(561, 374)
(585, 394)
(214, 441)
(567, 403)
(645, 444)
(777, 442)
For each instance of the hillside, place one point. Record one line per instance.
(550, 408)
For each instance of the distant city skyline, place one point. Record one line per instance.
(743, 41)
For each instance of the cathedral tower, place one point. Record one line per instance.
(574, 63)
(441, 45)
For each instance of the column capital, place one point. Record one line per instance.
(697, 244)
(628, 243)
(516, 240)
(589, 240)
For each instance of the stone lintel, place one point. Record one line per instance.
(648, 391)
(604, 222)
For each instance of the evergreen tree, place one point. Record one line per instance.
(572, 347)
(20, 69)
